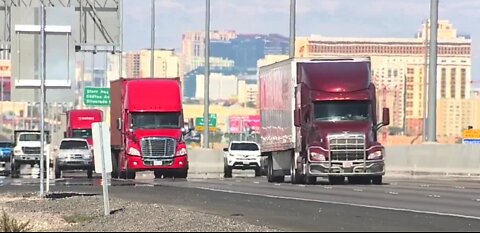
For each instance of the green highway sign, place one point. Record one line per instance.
(212, 122)
(95, 96)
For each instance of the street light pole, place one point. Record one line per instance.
(432, 85)
(152, 55)
(206, 130)
(293, 5)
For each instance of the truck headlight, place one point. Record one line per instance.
(182, 152)
(317, 156)
(375, 155)
(134, 152)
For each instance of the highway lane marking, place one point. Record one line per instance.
(344, 203)
(434, 196)
(358, 190)
(256, 182)
(393, 193)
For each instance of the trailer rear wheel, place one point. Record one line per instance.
(270, 176)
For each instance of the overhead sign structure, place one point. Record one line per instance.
(471, 136)
(59, 54)
(95, 96)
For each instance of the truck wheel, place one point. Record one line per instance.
(115, 173)
(128, 175)
(377, 180)
(90, 173)
(181, 174)
(296, 178)
(227, 172)
(15, 170)
(270, 177)
(336, 179)
(158, 174)
(58, 173)
(258, 172)
(311, 180)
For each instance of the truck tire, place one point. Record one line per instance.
(128, 175)
(58, 173)
(311, 180)
(181, 174)
(270, 177)
(14, 170)
(258, 172)
(296, 177)
(377, 180)
(227, 172)
(336, 180)
(115, 172)
(90, 173)
(158, 174)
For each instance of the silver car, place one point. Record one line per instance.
(74, 154)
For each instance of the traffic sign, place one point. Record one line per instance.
(95, 96)
(471, 133)
(212, 121)
(471, 141)
(202, 128)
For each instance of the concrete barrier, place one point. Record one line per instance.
(205, 163)
(434, 159)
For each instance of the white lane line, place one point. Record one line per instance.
(358, 190)
(434, 196)
(459, 187)
(343, 203)
(327, 187)
(277, 184)
(478, 200)
(393, 193)
(256, 182)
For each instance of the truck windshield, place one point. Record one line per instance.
(244, 146)
(73, 145)
(30, 137)
(342, 111)
(156, 120)
(81, 133)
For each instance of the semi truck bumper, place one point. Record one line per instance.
(355, 168)
(139, 164)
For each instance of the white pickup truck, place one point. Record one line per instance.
(26, 149)
(243, 156)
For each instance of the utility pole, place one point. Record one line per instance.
(293, 12)
(206, 119)
(152, 55)
(425, 84)
(432, 84)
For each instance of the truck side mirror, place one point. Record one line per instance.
(386, 117)
(225, 149)
(119, 124)
(64, 134)
(191, 125)
(297, 117)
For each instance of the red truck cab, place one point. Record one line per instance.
(148, 132)
(79, 123)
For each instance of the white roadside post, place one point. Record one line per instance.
(103, 157)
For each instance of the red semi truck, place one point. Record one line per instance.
(319, 119)
(147, 131)
(79, 123)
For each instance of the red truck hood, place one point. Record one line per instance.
(169, 133)
(321, 130)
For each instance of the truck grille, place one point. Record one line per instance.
(31, 150)
(158, 148)
(347, 147)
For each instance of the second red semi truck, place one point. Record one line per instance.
(79, 123)
(319, 119)
(147, 131)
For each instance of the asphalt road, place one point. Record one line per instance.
(399, 205)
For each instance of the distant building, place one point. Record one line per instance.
(132, 61)
(222, 87)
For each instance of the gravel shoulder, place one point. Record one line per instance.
(69, 213)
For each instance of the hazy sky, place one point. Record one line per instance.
(349, 18)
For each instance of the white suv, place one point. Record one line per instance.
(243, 156)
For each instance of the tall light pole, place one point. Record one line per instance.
(206, 123)
(293, 13)
(152, 55)
(432, 81)
(425, 83)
